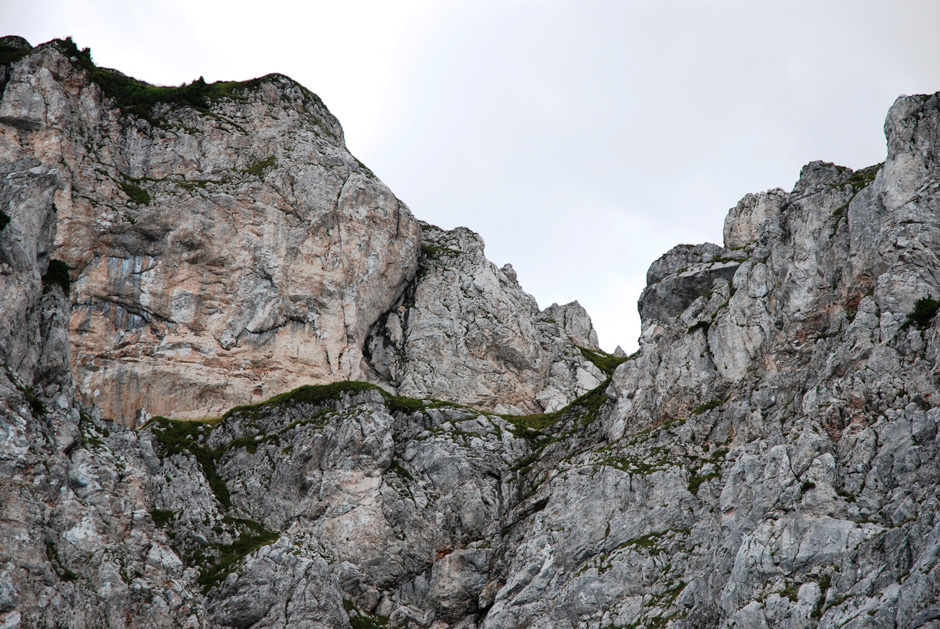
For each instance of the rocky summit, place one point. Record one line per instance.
(244, 387)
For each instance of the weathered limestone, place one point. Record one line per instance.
(219, 256)
(466, 332)
(768, 458)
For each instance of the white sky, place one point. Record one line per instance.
(582, 139)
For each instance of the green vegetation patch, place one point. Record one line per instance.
(259, 168)
(317, 394)
(361, 620)
(178, 437)
(11, 55)
(925, 309)
(701, 325)
(309, 394)
(399, 469)
(135, 193)
(824, 584)
(607, 363)
(707, 406)
(138, 98)
(588, 406)
(88, 430)
(695, 481)
(400, 404)
(863, 177)
(162, 517)
(231, 554)
(434, 252)
(791, 591)
(57, 274)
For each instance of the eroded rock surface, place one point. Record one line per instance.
(219, 256)
(769, 457)
(467, 332)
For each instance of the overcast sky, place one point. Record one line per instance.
(581, 139)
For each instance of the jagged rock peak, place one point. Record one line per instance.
(465, 331)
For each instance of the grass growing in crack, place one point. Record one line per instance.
(134, 192)
(707, 406)
(86, 427)
(824, 585)
(259, 168)
(52, 554)
(162, 517)
(399, 469)
(36, 406)
(695, 481)
(178, 437)
(231, 554)
(791, 591)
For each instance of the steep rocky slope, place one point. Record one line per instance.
(768, 458)
(224, 245)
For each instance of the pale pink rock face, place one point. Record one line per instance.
(260, 260)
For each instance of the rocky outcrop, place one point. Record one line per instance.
(768, 458)
(218, 255)
(466, 332)
(224, 246)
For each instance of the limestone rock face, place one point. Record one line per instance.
(219, 255)
(770, 457)
(742, 225)
(466, 332)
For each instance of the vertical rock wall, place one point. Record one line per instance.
(219, 254)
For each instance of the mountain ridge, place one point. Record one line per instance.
(768, 457)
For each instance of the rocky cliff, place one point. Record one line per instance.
(223, 244)
(768, 458)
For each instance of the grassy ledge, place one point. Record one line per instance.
(138, 98)
(607, 363)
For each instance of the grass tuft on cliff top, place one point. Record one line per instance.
(11, 54)
(138, 97)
